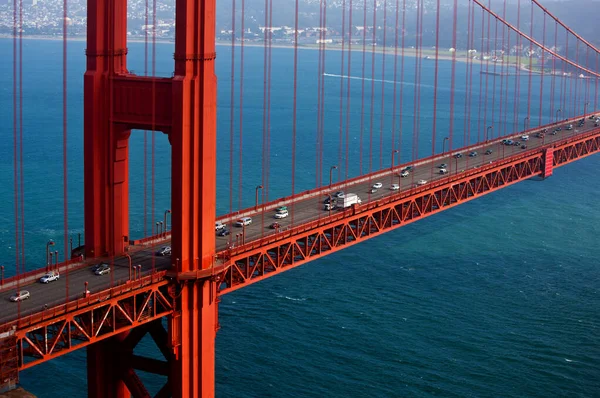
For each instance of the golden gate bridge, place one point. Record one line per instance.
(482, 150)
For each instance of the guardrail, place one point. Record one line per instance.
(84, 301)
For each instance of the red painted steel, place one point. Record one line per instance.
(262, 258)
(57, 331)
(193, 189)
(548, 162)
(106, 148)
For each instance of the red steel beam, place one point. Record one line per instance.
(254, 262)
(57, 331)
(42, 341)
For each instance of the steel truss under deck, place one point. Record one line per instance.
(83, 322)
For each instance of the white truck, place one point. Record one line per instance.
(350, 199)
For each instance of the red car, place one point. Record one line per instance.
(275, 225)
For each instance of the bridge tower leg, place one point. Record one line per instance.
(106, 147)
(193, 141)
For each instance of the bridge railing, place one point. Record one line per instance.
(249, 211)
(86, 300)
(33, 275)
(455, 177)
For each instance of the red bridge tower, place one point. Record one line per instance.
(184, 107)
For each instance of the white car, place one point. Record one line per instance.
(20, 296)
(219, 226)
(405, 173)
(525, 137)
(394, 187)
(243, 221)
(443, 171)
(281, 214)
(103, 269)
(421, 182)
(50, 277)
(377, 185)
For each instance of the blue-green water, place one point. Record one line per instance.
(497, 298)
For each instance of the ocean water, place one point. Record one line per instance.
(498, 297)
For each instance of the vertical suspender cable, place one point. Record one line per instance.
(348, 89)
(530, 65)
(241, 104)
(382, 110)
(518, 76)
(543, 71)
(153, 121)
(146, 131)
(15, 145)
(295, 104)
(481, 78)
(65, 180)
(21, 172)
(393, 146)
(231, 113)
(341, 132)
(495, 58)
(452, 79)
(502, 131)
(372, 110)
(466, 113)
(435, 80)
(362, 99)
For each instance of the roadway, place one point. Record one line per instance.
(309, 208)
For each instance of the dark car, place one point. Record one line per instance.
(523, 146)
(164, 251)
(488, 152)
(224, 232)
(275, 225)
(473, 154)
(458, 155)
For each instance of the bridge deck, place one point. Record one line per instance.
(304, 208)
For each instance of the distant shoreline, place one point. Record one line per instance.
(428, 54)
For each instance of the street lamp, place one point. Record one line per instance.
(487, 131)
(129, 259)
(50, 243)
(524, 123)
(585, 108)
(558, 110)
(157, 231)
(166, 212)
(161, 227)
(256, 202)
(444, 145)
(55, 259)
(334, 168)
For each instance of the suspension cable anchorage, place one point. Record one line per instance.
(195, 57)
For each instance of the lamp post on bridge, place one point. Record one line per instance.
(585, 108)
(55, 260)
(335, 168)
(557, 111)
(256, 202)
(487, 132)
(444, 145)
(129, 259)
(168, 211)
(525, 123)
(157, 229)
(161, 227)
(48, 244)
(395, 151)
